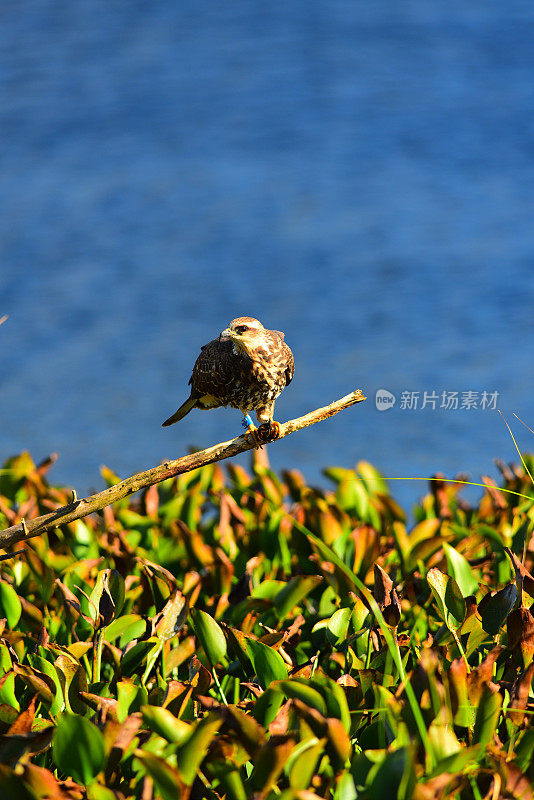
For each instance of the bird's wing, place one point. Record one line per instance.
(281, 355)
(213, 370)
(290, 363)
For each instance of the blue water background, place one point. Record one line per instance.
(359, 175)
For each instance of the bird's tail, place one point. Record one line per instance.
(184, 409)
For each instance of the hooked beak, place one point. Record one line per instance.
(225, 335)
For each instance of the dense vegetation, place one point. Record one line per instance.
(235, 634)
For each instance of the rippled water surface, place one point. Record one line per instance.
(358, 175)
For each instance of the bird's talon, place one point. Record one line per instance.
(275, 429)
(253, 431)
(269, 431)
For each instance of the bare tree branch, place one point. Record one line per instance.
(169, 469)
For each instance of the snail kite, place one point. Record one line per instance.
(247, 367)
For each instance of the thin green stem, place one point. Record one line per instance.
(153, 656)
(460, 648)
(368, 653)
(446, 480)
(517, 448)
(219, 687)
(315, 662)
(98, 641)
(163, 663)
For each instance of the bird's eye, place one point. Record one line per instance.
(241, 329)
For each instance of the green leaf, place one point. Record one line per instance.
(78, 748)
(166, 778)
(268, 589)
(293, 592)
(117, 590)
(6, 662)
(134, 658)
(98, 792)
(352, 496)
(297, 688)
(488, 711)
(7, 692)
(190, 755)
(372, 478)
(210, 635)
(229, 778)
(455, 763)
(267, 706)
(360, 612)
(268, 664)
(460, 569)
(454, 601)
(448, 596)
(233, 785)
(130, 698)
(162, 722)
(477, 636)
(443, 739)
(335, 698)
(395, 776)
(10, 606)
(128, 627)
(302, 768)
(45, 666)
(524, 751)
(345, 789)
(336, 629)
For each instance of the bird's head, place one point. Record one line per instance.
(245, 333)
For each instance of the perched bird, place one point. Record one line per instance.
(246, 368)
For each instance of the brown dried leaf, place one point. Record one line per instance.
(520, 694)
(44, 465)
(443, 494)
(199, 676)
(520, 630)
(151, 501)
(249, 732)
(198, 550)
(386, 597)
(23, 723)
(280, 723)
(481, 675)
(125, 736)
(496, 496)
(172, 617)
(106, 706)
(155, 570)
(528, 580)
(270, 762)
(42, 783)
(38, 681)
